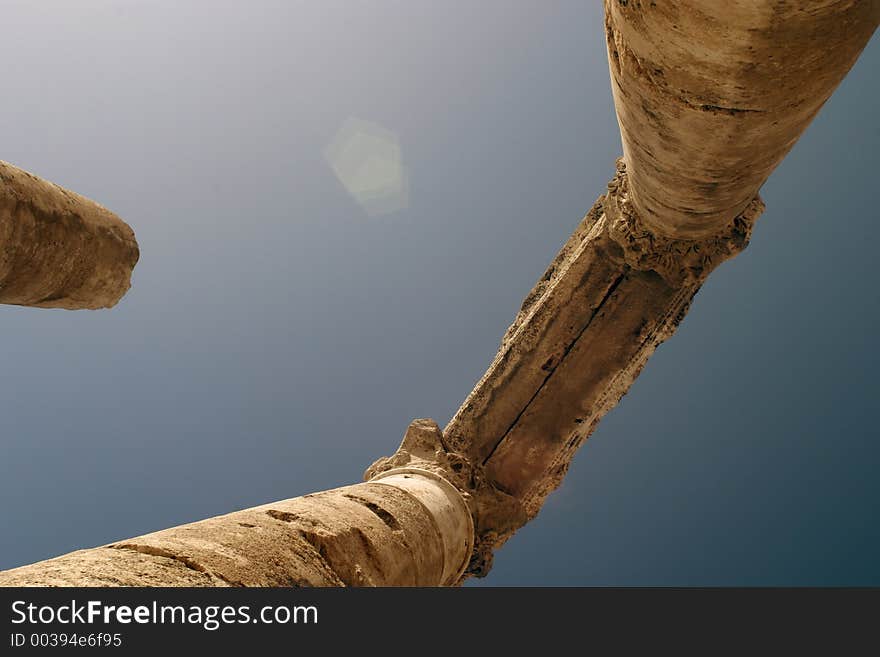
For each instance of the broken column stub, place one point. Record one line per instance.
(59, 249)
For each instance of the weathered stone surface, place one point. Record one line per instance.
(108, 567)
(370, 534)
(710, 96)
(59, 249)
(678, 261)
(494, 512)
(612, 295)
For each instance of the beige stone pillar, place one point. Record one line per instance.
(408, 527)
(59, 249)
(711, 95)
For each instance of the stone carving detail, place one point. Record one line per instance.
(679, 262)
(496, 515)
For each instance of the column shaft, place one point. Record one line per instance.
(710, 96)
(59, 249)
(406, 528)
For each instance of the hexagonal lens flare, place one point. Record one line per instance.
(366, 159)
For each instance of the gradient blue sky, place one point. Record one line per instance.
(277, 338)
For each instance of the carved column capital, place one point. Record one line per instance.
(495, 513)
(679, 261)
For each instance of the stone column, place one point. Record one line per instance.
(408, 526)
(710, 96)
(59, 249)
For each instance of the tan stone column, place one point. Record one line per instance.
(408, 527)
(711, 95)
(59, 249)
